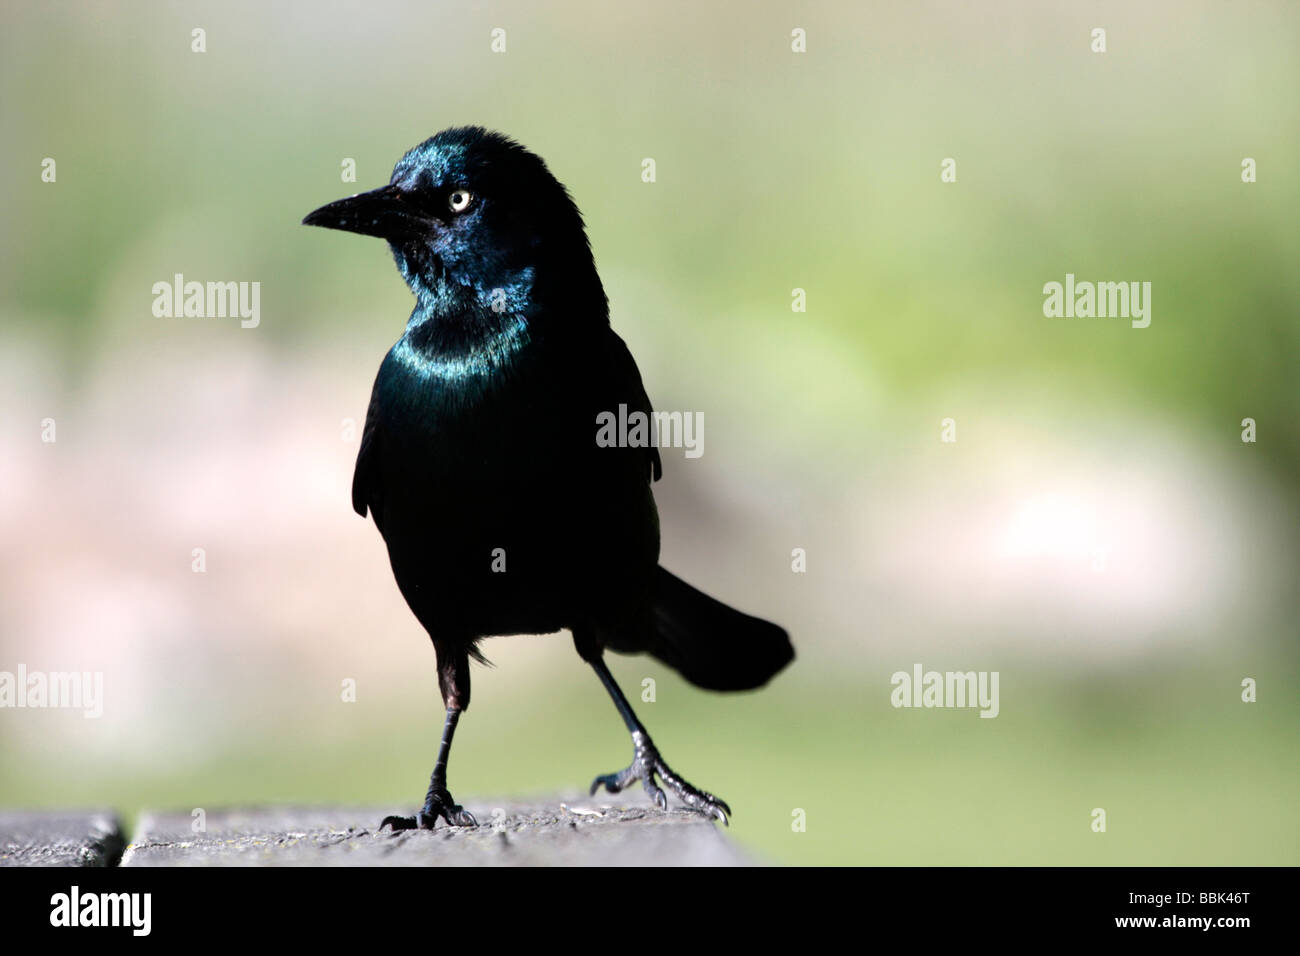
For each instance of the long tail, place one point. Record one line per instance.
(714, 646)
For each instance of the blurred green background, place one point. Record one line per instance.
(1098, 534)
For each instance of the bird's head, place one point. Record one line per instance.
(474, 220)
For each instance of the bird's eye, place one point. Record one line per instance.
(459, 200)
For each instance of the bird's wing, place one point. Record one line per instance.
(365, 486)
(624, 386)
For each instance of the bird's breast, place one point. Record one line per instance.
(498, 507)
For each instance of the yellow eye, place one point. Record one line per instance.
(459, 200)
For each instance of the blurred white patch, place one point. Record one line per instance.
(1085, 539)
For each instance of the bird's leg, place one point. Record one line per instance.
(438, 802)
(453, 682)
(646, 762)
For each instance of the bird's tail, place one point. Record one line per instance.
(714, 646)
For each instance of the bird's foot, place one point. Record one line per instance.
(438, 803)
(646, 765)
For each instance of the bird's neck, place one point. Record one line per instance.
(462, 328)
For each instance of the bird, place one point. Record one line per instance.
(501, 513)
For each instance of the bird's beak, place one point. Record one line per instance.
(381, 212)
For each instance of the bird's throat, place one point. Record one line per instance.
(454, 346)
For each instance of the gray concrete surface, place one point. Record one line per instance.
(40, 838)
(544, 832)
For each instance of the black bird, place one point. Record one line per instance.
(479, 460)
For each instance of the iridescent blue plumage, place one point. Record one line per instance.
(479, 463)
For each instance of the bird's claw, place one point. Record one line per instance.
(646, 765)
(438, 803)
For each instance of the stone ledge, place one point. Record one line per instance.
(569, 832)
(60, 838)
